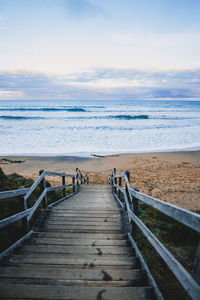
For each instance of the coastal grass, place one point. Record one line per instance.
(180, 240)
(11, 206)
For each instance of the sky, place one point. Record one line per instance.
(99, 49)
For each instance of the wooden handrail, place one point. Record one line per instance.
(190, 219)
(34, 186)
(14, 218)
(182, 215)
(59, 174)
(13, 193)
(27, 213)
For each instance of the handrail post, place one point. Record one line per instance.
(77, 179)
(42, 187)
(23, 205)
(63, 183)
(120, 184)
(135, 211)
(81, 178)
(74, 186)
(127, 192)
(196, 270)
(114, 179)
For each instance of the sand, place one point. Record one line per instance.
(172, 176)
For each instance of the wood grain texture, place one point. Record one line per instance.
(80, 252)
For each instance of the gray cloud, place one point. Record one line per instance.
(102, 84)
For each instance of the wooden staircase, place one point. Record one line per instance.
(80, 252)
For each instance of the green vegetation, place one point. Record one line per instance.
(181, 241)
(11, 206)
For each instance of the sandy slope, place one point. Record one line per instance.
(172, 177)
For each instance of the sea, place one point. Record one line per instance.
(84, 128)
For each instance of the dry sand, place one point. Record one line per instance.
(170, 176)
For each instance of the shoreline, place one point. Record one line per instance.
(100, 153)
(170, 176)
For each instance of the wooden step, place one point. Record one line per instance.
(79, 252)
(81, 242)
(110, 275)
(75, 221)
(77, 235)
(70, 259)
(23, 291)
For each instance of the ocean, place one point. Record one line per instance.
(83, 128)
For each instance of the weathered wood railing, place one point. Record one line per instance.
(27, 213)
(128, 198)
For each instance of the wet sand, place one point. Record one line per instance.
(170, 176)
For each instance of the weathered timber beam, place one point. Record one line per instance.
(54, 188)
(37, 203)
(60, 200)
(118, 200)
(187, 281)
(16, 244)
(33, 187)
(119, 175)
(13, 193)
(119, 187)
(14, 218)
(59, 174)
(146, 268)
(182, 215)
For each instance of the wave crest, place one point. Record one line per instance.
(129, 117)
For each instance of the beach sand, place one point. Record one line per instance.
(171, 176)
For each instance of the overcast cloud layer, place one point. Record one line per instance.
(99, 49)
(102, 84)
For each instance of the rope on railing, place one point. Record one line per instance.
(128, 198)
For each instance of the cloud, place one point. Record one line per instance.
(102, 84)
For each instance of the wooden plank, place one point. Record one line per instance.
(13, 193)
(79, 256)
(88, 205)
(83, 242)
(60, 200)
(80, 219)
(37, 203)
(16, 244)
(33, 187)
(85, 217)
(98, 227)
(145, 267)
(22, 291)
(67, 273)
(74, 282)
(54, 188)
(62, 259)
(189, 284)
(93, 212)
(15, 217)
(59, 174)
(182, 215)
(102, 222)
(92, 217)
(86, 214)
(118, 200)
(77, 235)
(79, 250)
(82, 230)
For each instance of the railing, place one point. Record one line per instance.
(27, 213)
(128, 198)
